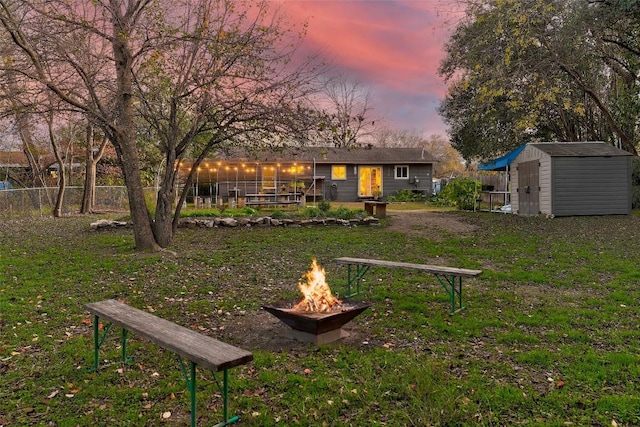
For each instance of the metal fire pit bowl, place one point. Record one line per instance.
(318, 327)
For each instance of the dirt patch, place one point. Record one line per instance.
(429, 224)
(261, 330)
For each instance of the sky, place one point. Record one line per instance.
(392, 48)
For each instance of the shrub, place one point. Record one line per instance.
(635, 196)
(635, 183)
(312, 212)
(324, 206)
(342, 213)
(463, 192)
(406, 196)
(279, 214)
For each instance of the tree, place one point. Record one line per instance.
(93, 154)
(18, 106)
(522, 71)
(387, 137)
(346, 117)
(449, 159)
(219, 79)
(210, 73)
(450, 162)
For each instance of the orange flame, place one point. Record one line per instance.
(316, 294)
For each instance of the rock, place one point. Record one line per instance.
(229, 222)
(107, 223)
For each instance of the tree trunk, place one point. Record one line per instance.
(62, 183)
(62, 174)
(123, 134)
(163, 228)
(91, 164)
(88, 192)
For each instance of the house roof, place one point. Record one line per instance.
(18, 159)
(13, 159)
(579, 149)
(373, 155)
(333, 155)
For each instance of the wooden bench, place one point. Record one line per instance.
(450, 278)
(187, 344)
(380, 208)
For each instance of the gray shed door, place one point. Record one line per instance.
(528, 188)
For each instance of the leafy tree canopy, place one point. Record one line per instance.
(524, 71)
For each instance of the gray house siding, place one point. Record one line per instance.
(239, 174)
(346, 190)
(591, 185)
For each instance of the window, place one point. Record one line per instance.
(339, 172)
(402, 172)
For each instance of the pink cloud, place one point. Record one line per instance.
(393, 47)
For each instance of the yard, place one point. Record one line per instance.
(550, 335)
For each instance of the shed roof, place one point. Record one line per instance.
(579, 149)
(501, 163)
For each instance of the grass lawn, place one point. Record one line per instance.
(550, 336)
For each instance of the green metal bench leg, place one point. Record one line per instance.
(190, 379)
(225, 401)
(98, 340)
(454, 289)
(124, 346)
(354, 279)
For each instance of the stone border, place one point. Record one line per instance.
(265, 221)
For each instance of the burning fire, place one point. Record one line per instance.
(316, 295)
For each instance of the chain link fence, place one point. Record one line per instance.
(25, 202)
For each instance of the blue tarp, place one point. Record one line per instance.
(501, 163)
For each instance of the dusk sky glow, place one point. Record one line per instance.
(390, 47)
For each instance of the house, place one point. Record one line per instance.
(15, 166)
(569, 178)
(315, 173)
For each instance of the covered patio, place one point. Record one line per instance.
(240, 182)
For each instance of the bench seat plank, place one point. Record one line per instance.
(434, 269)
(200, 349)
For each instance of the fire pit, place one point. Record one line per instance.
(320, 316)
(319, 328)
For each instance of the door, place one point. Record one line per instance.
(370, 181)
(529, 188)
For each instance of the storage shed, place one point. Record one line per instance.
(571, 178)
